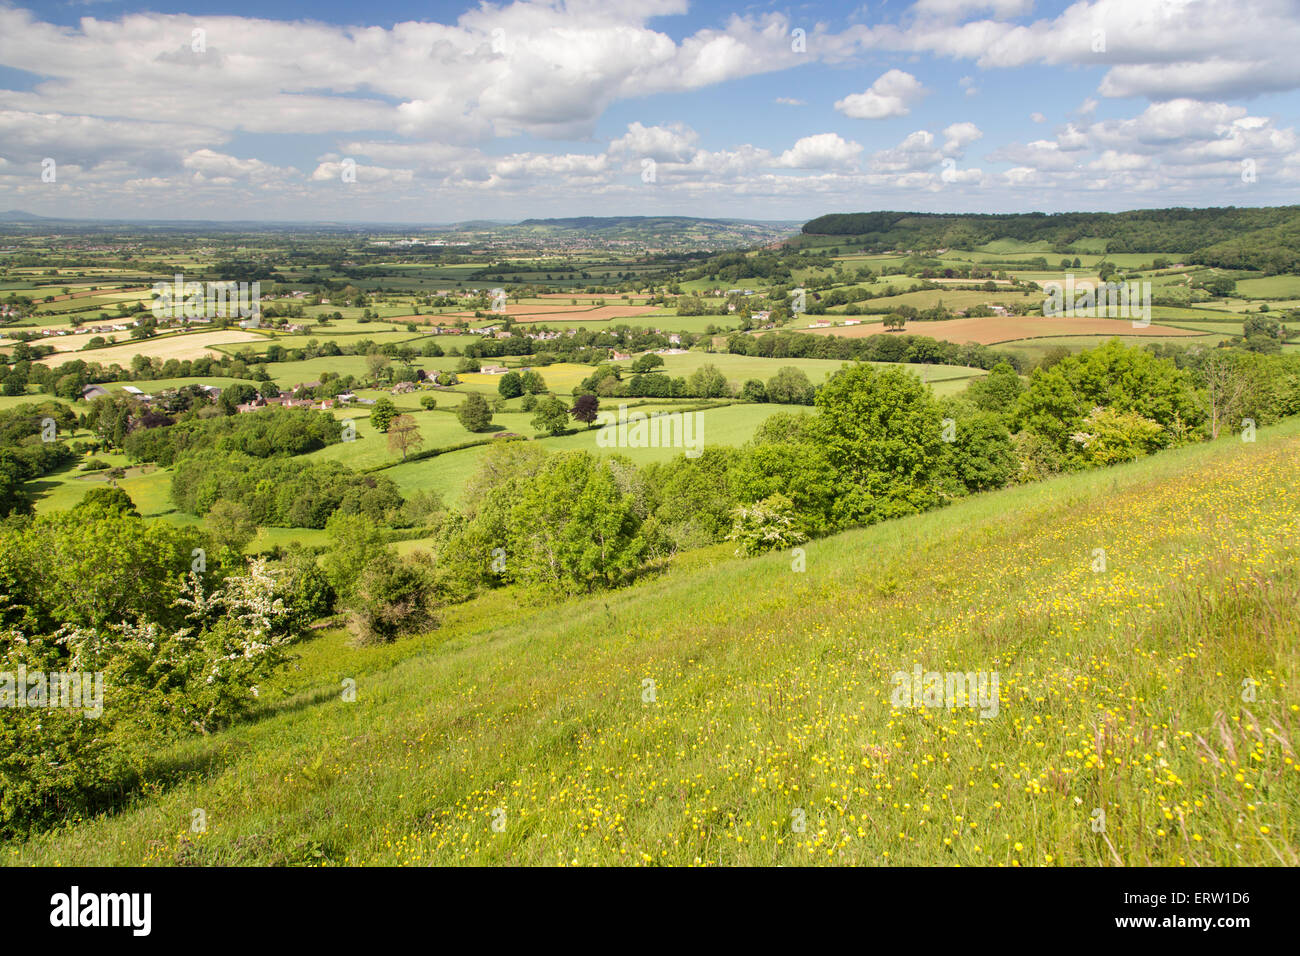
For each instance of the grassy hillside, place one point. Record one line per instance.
(1120, 690)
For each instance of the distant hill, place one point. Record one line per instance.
(18, 215)
(663, 231)
(1265, 238)
(616, 223)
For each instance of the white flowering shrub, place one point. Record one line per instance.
(158, 682)
(766, 525)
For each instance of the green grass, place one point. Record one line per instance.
(741, 368)
(1270, 287)
(447, 474)
(1119, 691)
(148, 486)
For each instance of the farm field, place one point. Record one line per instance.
(1053, 512)
(951, 299)
(547, 313)
(999, 329)
(773, 696)
(190, 345)
(447, 474)
(740, 368)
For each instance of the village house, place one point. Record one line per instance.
(494, 370)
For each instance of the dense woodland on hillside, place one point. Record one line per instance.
(1267, 239)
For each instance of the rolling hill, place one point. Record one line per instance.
(1266, 238)
(1141, 621)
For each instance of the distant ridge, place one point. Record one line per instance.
(1232, 237)
(620, 222)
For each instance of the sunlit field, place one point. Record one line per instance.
(1158, 690)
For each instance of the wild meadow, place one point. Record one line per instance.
(1142, 621)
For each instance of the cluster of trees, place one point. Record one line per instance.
(915, 349)
(282, 491)
(272, 431)
(880, 446)
(25, 452)
(181, 639)
(514, 384)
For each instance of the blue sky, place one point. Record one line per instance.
(436, 112)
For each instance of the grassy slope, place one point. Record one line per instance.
(1120, 690)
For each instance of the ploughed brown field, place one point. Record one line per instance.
(994, 329)
(585, 296)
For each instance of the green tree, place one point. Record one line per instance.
(231, 525)
(881, 431)
(382, 414)
(355, 543)
(105, 501)
(475, 413)
(571, 527)
(707, 382)
(790, 386)
(391, 597)
(982, 455)
(552, 416)
(403, 435)
(1124, 378)
(377, 364)
(998, 391)
(511, 385)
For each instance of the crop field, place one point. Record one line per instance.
(189, 345)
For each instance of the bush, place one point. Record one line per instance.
(392, 598)
(768, 525)
(59, 762)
